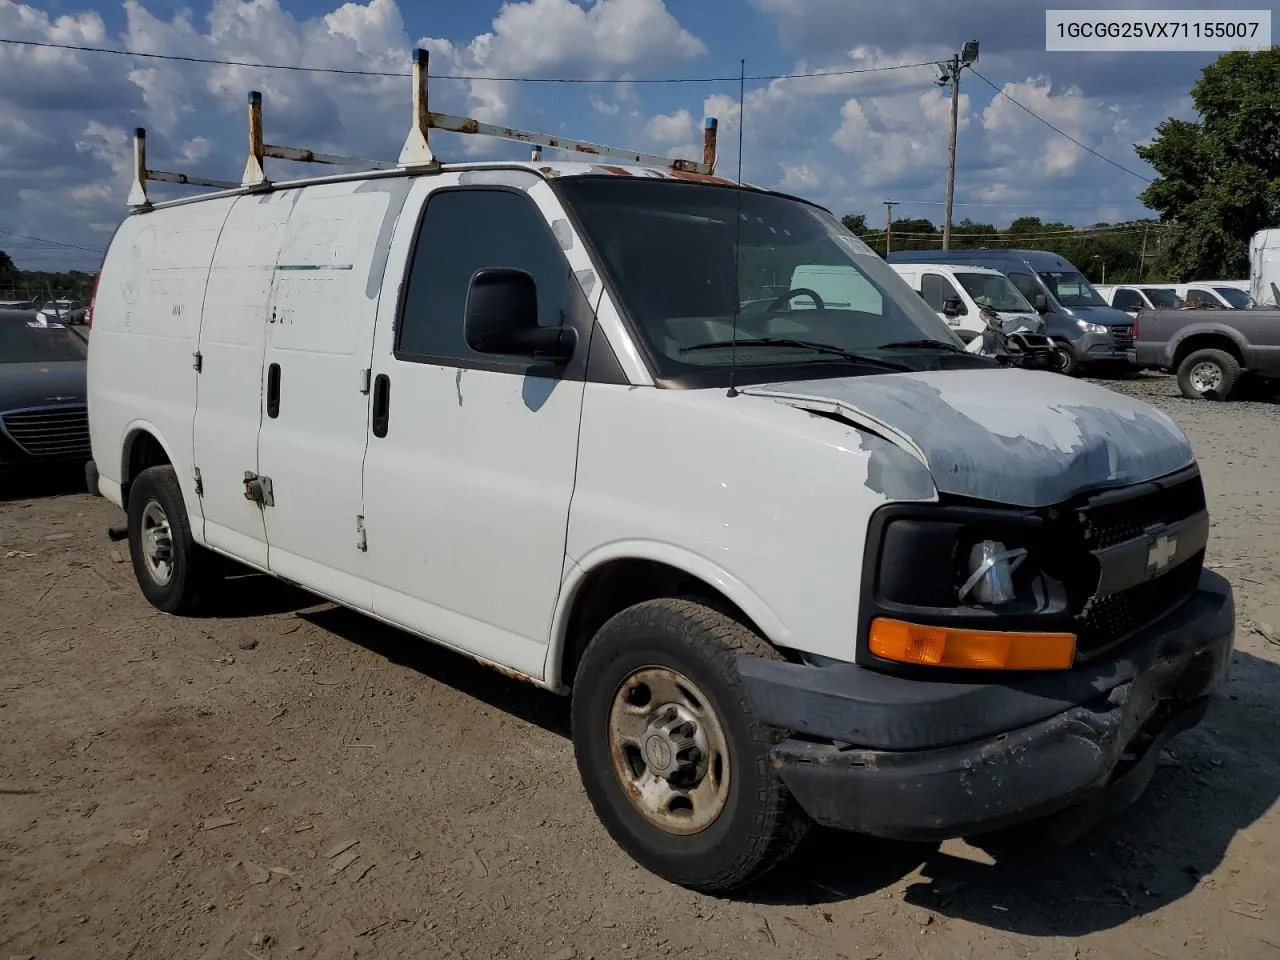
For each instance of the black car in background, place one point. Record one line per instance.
(43, 416)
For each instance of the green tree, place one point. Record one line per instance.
(1219, 177)
(855, 223)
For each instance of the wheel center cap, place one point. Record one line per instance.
(658, 753)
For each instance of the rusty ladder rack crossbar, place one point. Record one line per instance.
(416, 153)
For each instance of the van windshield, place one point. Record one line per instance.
(1237, 298)
(1071, 289)
(683, 264)
(994, 291)
(1162, 297)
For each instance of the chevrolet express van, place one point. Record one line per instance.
(1087, 332)
(792, 564)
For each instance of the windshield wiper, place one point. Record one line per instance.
(815, 345)
(922, 345)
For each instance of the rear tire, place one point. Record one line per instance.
(673, 761)
(1208, 375)
(173, 572)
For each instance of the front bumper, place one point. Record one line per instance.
(1102, 348)
(919, 760)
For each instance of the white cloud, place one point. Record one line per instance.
(668, 128)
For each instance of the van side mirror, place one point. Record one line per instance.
(953, 307)
(501, 317)
(1040, 302)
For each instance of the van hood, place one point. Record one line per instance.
(1018, 437)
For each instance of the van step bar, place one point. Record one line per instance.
(415, 155)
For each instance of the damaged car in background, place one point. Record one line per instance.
(797, 557)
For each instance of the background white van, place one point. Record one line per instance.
(959, 294)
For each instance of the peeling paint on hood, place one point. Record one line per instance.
(1018, 437)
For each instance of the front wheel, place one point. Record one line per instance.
(1068, 363)
(673, 761)
(1208, 375)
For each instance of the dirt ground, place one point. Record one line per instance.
(292, 780)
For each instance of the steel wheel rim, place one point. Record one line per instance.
(157, 543)
(1205, 376)
(1065, 358)
(669, 750)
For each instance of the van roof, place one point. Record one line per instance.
(1036, 259)
(966, 267)
(547, 170)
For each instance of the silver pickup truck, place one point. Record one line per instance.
(1209, 350)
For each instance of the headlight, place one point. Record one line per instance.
(991, 569)
(1092, 327)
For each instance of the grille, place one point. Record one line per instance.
(1117, 521)
(1117, 617)
(1123, 336)
(50, 432)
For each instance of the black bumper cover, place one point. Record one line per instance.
(936, 760)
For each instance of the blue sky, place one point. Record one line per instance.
(848, 141)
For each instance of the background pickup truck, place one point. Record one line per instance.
(1209, 350)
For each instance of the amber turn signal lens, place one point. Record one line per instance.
(971, 649)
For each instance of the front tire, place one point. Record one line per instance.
(1208, 375)
(1068, 363)
(172, 570)
(673, 761)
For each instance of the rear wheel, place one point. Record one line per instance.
(673, 761)
(172, 570)
(1208, 375)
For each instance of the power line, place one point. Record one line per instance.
(1043, 232)
(1082, 234)
(996, 203)
(392, 73)
(1061, 133)
(56, 243)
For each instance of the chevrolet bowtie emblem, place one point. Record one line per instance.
(1161, 552)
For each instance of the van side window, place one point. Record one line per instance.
(464, 231)
(1026, 285)
(937, 289)
(1127, 300)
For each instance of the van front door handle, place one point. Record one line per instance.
(273, 391)
(381, 405)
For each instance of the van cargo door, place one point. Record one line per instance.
(316, 396)
(232, 343)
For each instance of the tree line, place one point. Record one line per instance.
(1130, 252)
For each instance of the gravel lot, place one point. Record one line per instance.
(293, 780)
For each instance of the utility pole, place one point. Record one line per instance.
(1142, 257)
(888, 225)
(949, 74)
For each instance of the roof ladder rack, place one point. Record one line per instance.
(416, 154)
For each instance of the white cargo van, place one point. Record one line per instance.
(792, 564)
(961, 294)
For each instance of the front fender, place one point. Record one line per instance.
(1205, 329)
(578, 572)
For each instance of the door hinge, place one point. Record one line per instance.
(366, 376)
(362, 541)
(258, 489)
(199, 483)
(197, 361)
